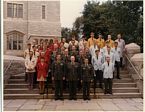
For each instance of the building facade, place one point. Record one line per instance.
(28, 20)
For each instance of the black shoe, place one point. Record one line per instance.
(118, 78)
(105, 92)
(56, 99)
(101, 86)
(70, 98)
(110, 93)
(74, 98)
(88, 98)
(61, 98)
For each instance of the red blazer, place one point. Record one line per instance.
(42, 70)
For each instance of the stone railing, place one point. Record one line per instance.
(134, 63)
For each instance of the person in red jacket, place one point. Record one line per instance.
(42, 69)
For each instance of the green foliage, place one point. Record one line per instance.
(113, 17)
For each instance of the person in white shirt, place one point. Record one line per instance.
(110, 53)
(75, 41)
(92, 49)
(121, 45)
(26, 52)
(108, 69)
(117, 56)
(65, 44)
(97, 61)
(82, 43)
(30, 64)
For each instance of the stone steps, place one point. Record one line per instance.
(79, 96)
(23, 76)
(98, 90)
(22, 86)
(123, 80)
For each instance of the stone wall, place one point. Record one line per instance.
(136, 58)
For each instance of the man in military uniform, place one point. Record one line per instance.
(58, 75)
(72, 77)
(66, 60)
(80, 60)
(86, 78)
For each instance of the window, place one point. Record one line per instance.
(15, 41)
(43, 11)
(14, 10)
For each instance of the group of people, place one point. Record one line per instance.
(74, 65)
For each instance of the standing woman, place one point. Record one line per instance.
(42, 69)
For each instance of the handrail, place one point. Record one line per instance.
(137, 72)
(8, 66)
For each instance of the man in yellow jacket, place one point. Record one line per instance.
(91, 40)
(101, 41)
(110, 41)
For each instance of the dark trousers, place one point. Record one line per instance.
(108, 85)
(98, 78)
(72, 89)
(117, 65)
(30, 76)
(86, 90)
(35, 78)
(121, 60)
(58, 88)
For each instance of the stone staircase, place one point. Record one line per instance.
(17, 88)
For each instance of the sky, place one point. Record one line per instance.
(70, 10)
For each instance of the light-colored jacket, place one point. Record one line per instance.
(111, 55)
(108, 70)
(121, 45)
(30, 64)
(97, 63)
(26, 53)
(92, 50)
(117, 53)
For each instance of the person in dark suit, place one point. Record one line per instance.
(58, 75)
(86, 78)
(72, 77)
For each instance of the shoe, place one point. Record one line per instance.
(88, 98)
(105, 92)
(56, 99)
(118, 78)
(70, 98)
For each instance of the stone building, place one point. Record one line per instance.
(28, 20)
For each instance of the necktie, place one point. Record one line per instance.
(108, 64)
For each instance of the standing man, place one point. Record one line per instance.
(30, 64)
(72, 77)
(97, 62)
(91, 40)
(101, 41)
(58, 75)
(110, 41)
(86, 78)
(108, 68)
(121, 45)
(117, 51)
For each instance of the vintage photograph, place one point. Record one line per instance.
(72, 55)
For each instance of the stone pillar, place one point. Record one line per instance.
(132, 49)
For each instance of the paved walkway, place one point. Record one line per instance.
(135, 104)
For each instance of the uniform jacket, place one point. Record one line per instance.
(30, 64)
(86, 72)
(111, 43)
(72, 72)
(42, 70)
(58, 70)
(108, 70)
(101, 42)
(91, 42)
(97, 63)
(92, 49)
(121, 45)
(117, 53)
(112, 57)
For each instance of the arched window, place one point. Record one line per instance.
(15, 40)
